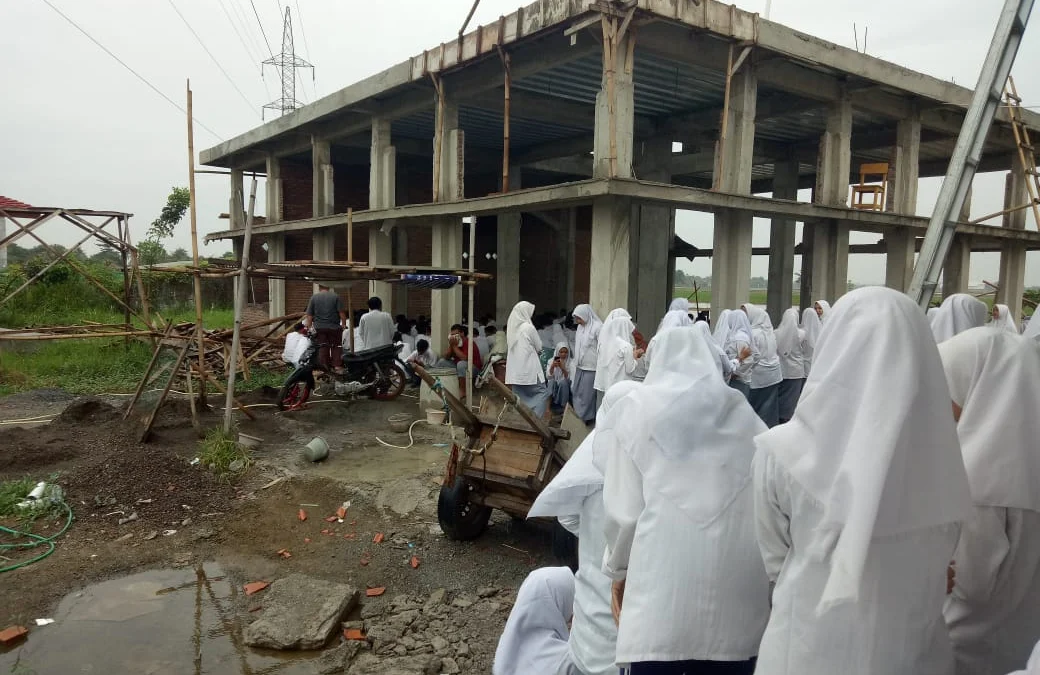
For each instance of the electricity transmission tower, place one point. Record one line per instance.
(287, 62)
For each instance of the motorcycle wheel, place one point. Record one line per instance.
(296, 390)
(392, 385)
(460, 519)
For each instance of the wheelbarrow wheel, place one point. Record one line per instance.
(460, 518)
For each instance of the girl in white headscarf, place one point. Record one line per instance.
(789, 341)
(700, 328)
(1032, 329)
(558, 375)
(994, 611)
(679, 305)
(575, 497)
(535, 636)
(737, 345)
(586, 355)
(811, 327)
(675, 318)
(822, 307)
(680, 531)
(722, 327)
(1003, 320)
(765, 376)
(524, 371)
(957, 313)
(859, 498)
(619, 358)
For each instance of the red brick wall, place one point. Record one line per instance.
(297, 194)
(582, 249)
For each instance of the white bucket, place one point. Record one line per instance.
(449, 379)
(316, 450)
(435, 416)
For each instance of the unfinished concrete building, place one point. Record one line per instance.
(554, 127)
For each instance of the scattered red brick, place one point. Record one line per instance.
(306, 540)
(302, 515)
(331, 519)
(255, 587)
(350, 536)
(12, 633)
(326, 531)
(378, 539)
(375, 592)
(284, 552)
(341, 512)
(353, 634)
(415, 562)
(366, 558)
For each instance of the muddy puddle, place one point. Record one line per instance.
(161, 621)
(378, 464)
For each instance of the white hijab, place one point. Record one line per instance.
(519, 320)
(994, 376)
(725, 366)
(825, 308)
(536, 633)
(1004, 320)
(873, 438)
(761, 324)
(587, 333)
(812, 326)
(679, 304)
(1033, 327)
(675, 318)
(617, 329)
(580, 476)
(787, 333)
(690, 435)
(722, 327)
(739, 331)
(956, 314)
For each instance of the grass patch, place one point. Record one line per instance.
(220, 449)
(77, 366)
(12, 492)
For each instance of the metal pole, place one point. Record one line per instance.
(470, 326)
(968, 152)
(240, 302)
(199, 331)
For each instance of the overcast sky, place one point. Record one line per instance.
(78, 130)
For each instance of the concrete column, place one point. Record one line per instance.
(507, 248)
(901, 244)
(651, 241)
(958, 259)
(780, 294)
(322, 247)
(400, 291)
(609, 253)
(446, 306)
(830, 247)
(276, 287)
(1013, 254)
(569, 237)
(236, 207)
(622, 105)
(322, 189)
(382, 194)
(731, 261)
(275, 242)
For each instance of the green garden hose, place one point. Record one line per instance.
(37, 540)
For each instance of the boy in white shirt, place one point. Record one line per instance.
(296, 343)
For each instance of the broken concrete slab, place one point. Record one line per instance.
(300, 612)
(412, 665)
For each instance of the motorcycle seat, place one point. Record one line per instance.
(379, 353)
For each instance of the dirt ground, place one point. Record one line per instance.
(184, 516)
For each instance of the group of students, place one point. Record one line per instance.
(890, 527)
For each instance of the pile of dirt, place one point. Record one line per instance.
(31, 450)
(88, 410)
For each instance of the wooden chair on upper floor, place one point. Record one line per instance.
(873, 181)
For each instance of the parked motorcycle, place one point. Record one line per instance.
(374, 372)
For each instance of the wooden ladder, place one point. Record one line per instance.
(1026, 151)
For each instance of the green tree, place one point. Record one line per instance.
(151, 252)
(176, 206)
(180, 254)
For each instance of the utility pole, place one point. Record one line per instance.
(287, 62)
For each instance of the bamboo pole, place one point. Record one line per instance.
(192, 211)
(610, 69)
(240, 301)
(127, 288)
(1023, 142)
(438, 137)
(148, 371)
(506, 112)
(720, 152)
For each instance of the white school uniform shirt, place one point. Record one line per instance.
(789, 340)
(523, 365)
(427, 359)
(617, 361)
(586, 338)
(994, 611)
(766, 369)
(679, 511)
(563, 374)
(535, 636)
(376, 329)
(858, 519)
(736, 337)
(295, 345)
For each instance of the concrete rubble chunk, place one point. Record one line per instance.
(337, 659)
(368, 664)
(300, 612)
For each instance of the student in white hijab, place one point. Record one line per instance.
(1032, 328)
(1002, 319)
(535, 636)
(859, 498)
(765, 376)
(957, 313)
(586, 355)
(619, 358)
(811, 327)
(575, 497)
(721, 327)
(675, 318)
(738, 347)
(524, 371)
(681, 548)
(822, 307)
(679, 304)
(1033, 667)
(994, 611)
(558, 376)
(789, 341)
(726, 366)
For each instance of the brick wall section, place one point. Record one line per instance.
(582, 249)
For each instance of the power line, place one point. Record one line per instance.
(213, 58)
(241, 40)
(307, 53)
(261, 24)
(132, 71)
(243, 18)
